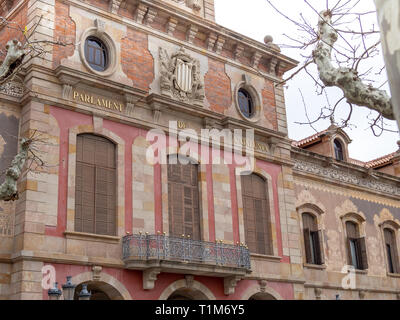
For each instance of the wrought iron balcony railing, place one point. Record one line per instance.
(161, 247)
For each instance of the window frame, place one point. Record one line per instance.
(394, 228)
(95, 167)
(104, 54)
(268, 244)
(361, 263)
(338, 146)
(317, 214)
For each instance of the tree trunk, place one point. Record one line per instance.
(389, 21)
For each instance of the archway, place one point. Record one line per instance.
(262, 296)
(99, 290)
(187, 294)
(186, 290)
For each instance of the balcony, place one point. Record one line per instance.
(159, 253)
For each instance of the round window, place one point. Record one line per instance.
(96, 54)
(245, 103)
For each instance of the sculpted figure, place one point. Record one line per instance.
(15, 55)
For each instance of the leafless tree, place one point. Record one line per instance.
(18, 54)
(343, 45)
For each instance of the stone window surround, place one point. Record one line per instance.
(255, 96)
(344, 147)
(393, 226)
(263, 174)
(99, 32)
(98, 129)
(318, 214)
(360, 220)
(203, 199)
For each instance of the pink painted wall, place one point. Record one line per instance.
(132, 281)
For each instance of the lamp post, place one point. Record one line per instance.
(68, 290)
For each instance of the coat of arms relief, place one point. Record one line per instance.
(180, 77)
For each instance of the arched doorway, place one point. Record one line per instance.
(99, 290)
(187, 294)
(262, 296)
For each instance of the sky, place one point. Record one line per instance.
(256, 19)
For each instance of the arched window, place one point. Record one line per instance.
(256, 214)
(312, 240)
(339, 154)
(245, 103)
(356, 247)
(183, 200)
(96, 54)
(95, 191)
(391, 251)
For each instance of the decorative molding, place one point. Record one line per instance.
(255, 59)
(191, 33)
(96, 272)
(6, 225)
(263, 285)
(130, 101)
(150, 16)
(230, 284)
(362, 294)
(238, 51)
(140, 13)
(219, 45)
(180, 77)
(115, 5)
(345, 177)
(318, 293)
(150, 277)
(66, 91)
(171, 26)
(12, 88)
(189, 281)
(272, 66)
(210, 42)
(100, 25)
(194, 4)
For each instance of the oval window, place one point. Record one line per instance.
(96, 54)
(245, 103)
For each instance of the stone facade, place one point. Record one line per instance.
(129, 101)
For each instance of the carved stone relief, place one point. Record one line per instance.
(180, 77)
(346, 177)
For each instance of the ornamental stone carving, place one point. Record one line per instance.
(346, 177)
(180, 77)
(14, 57)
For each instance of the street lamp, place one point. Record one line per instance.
(68, 290)
(84, 294)
(54, 293)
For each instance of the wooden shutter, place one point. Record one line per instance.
(319, 247)
(95, 193)
(183, 200)
(363, 253)
(352, 234)
(256, 214)
(390, 239)
(307, 245)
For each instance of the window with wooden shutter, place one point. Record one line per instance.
(356, 247)
(391, 251)
(312, 240)
(183, 200)
(256, 214)
(95, 186)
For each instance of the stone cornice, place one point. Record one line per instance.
(344, 173)
(217, 37)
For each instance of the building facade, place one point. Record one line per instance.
(249, 215)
